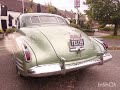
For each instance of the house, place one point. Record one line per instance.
(15, 8)
(67, 14)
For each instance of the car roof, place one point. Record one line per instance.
(38, 14)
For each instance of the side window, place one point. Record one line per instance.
(18, 23)
(61, 21)
(48, 19)
(35, 19)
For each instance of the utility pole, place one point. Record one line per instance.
(50, 2)
(77, 5)
(77, 15)
(23, 5)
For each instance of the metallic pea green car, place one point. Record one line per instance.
(47, 45)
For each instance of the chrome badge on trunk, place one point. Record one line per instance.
(76, 42)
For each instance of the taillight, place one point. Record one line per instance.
(27, 54)
(105, 45)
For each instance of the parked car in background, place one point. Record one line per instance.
(47, 45)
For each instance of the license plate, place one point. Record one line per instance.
(76, 43)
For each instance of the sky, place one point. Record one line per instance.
(64, 4)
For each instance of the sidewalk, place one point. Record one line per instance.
(113, 44)
(99, 34)
(6, 45)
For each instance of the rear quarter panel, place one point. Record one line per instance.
(20, 57)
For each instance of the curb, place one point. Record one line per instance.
(114, 48)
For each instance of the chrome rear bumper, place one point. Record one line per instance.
(54, 69)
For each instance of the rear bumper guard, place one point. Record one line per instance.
(63, 67)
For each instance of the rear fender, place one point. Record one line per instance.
(99, 46)
(21, 62)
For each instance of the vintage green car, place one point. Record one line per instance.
(47, 45)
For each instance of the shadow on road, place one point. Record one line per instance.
(70, 81)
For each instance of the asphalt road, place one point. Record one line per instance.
(105, 77)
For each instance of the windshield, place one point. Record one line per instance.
(47, 20)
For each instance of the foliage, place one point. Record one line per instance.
(30, 8)
(88, 30)
(1, 31)
(1, 34)
(51, 9)
(74, 25)
(105, 11)
(107, 28)
(112, 37)
(101, 26)
(73, 21)
(10, 30)
(88, 24)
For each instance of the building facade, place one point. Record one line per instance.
(15, 8)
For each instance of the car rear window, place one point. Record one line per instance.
(48, 19)
(35, 19)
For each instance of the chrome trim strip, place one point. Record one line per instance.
(19, 60)
(19, 64)
(82, 64)
(53, 69)
(107, 57)
(19, 67)
(62, 65)
(44, 70)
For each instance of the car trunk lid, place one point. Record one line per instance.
(60, 36)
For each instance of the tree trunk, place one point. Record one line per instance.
(116, 29)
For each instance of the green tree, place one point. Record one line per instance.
(30, 8)
(51, 9)
(105, 12)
